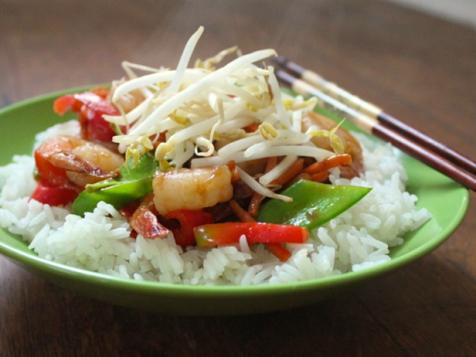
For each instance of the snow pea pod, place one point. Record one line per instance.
(313, 204)
(134, 182)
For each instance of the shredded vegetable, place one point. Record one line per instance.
(204, 114)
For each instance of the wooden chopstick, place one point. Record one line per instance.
(373, 126)
(375, 112)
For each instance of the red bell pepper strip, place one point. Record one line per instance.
(278, 250)
(215, 235)
(54, 195)
(188, 220)
(74, 102)
(91, 107)
(66, 103)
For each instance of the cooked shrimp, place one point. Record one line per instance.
(352, 146)
(98, 156)
(192, 189)
(68, 158)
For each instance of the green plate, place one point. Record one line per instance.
(446, 200)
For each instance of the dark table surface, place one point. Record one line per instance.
(417, 67)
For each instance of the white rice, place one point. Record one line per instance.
(357, 239)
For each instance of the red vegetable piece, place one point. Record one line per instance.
(276, 233)
(145, 223)
(93, 125)
(66, 103)
(279, 251)
(128, 211)
(188, 220)
(101, 91)
(213, 235)
(219, 234)
(54, 195)
(91, 107)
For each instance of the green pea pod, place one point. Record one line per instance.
(132, 169)
(118, 194)
(135, 182)
(313, 204)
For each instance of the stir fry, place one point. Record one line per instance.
(206, 153)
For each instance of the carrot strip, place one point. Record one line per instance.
(257, 199)
(157, 138)
(251, 128)
(235, 176)
(301, 176)
(329, 163)
(255, 204)
(242, 214)
(320, 176)
(271, 163)
(231, 165)
(279, 251)
(294, 170)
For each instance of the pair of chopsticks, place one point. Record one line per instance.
(374, 120)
